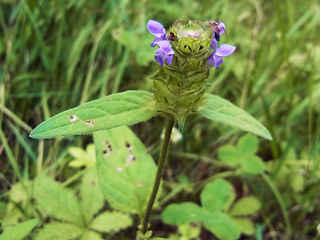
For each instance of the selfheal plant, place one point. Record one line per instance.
(185, 55)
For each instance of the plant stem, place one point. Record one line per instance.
(162, 161)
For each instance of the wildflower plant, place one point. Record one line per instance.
(184, 55)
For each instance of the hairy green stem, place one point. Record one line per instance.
(161, 164)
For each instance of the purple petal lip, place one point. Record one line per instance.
(222, 28)
(165, 51)
(166, 47)
(156, 28)
(214, 43)
(225, 50)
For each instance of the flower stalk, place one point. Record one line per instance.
(163, 156)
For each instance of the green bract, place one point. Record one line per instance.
(179, 87)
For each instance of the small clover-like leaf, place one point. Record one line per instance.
(245, 225)
(248, 144)
(217, 195)
(252, 164)
(243, 155)
(182, 213)
(221, 110)
(245, 206)
(221, 225)
(229, 154)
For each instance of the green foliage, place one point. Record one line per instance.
(126, 171)
(19, 231)
(56, 200)
(187, 232)
(55, 55)
(136, 42)
(221, 110)
(82, 158)
(243, 155)
(116, 110)
(215, 213)
(80, 219)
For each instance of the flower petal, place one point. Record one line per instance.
(225, 50)
(210, 59)
(214, 43)
(166, 47)
(222, 28)
(217, 60)
(156, 28)
(169, 59)
(159, 58)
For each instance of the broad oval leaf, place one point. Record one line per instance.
(223, 111)
(126, 172)
(112, 111)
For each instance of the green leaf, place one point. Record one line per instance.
(221, 225)
(91, 196)
(19, 231)
(3, 209)
(126, 171)
(56, 200)
(182, 213)
(217, 195)
(59, 231)
(245, 225)
(111, 222)
(248, 144)
(245, 206)
(90, 235)
(252, 164)
(229, 154)
(112, 111)
(223, 111)
(189, 231)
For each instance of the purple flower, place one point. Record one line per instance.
(224, 50)
(216, 57)
(165, 52)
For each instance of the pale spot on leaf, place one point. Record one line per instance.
(140, 184)
(73, 118)
(119, 169)
(130, 159)
(89, 123)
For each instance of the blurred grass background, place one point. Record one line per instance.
(57, 54)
